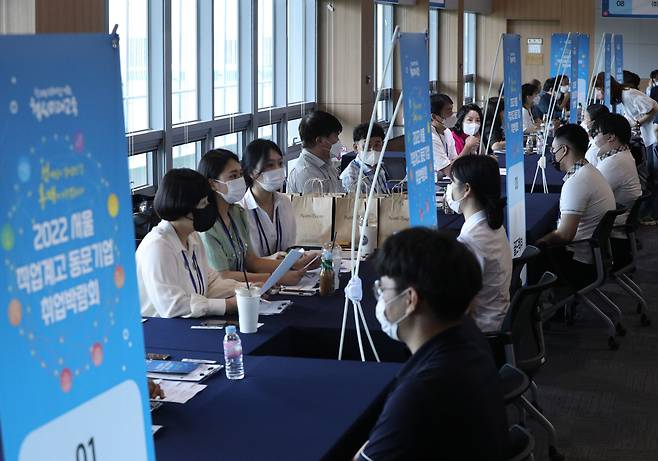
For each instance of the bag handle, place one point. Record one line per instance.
(314, 181)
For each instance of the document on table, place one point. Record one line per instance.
(179, 391)
(273, 307)
(290, 259)
(155, 428)
(201, 373)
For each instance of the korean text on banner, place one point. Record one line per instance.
(583, 69)
(573, 81)
(514, 136)
(618, 43)
(417, 134)
(607, 68)
(71, 327)
(558, 42)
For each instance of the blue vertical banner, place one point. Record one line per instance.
(607, 68)
(618, 43)
(516, 225)
(74, 380)
(560, 57)
(573, 80)
(414, 57)
(629, 8)
(583, 69)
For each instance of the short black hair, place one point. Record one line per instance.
(361, 132)
(482, 174)
(549, 84)
(527, 89)
(256, 153)
(438, 102)
(613, 124)
(575, 136)
(443, 271)
(597, 110)
(654, 74)
(318, 124)
(179, 193)
(461, 115)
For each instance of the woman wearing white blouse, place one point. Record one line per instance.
(475, 192)
(272, 225)
(172, 269)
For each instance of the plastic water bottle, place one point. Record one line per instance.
(233, 354)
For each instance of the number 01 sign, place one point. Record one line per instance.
(73, 383)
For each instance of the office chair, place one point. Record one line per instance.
(521, 444)
(518, 264)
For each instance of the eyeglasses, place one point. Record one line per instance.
(378, 290)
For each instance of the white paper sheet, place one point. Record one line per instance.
(290, 259)
(179, 391)
(201, 373)
(273, 307)
(155, 428)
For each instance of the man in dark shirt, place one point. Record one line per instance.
(446, 402)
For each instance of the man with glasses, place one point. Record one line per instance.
(586, 196)
(446, 402)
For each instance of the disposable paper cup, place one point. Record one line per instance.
(369, 241)
(248, 305)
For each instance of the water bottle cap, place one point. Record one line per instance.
(230, 330)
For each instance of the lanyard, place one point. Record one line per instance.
(201, 289)
(239, 255)
(262, 236)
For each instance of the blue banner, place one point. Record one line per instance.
(618, 43)
(573, 81)
(417, 135)
(516, 225)
(607, 68)
(583, 69)
(630, 8)
(74, 379)
(560, 53)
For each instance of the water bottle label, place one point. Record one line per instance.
(232, 350)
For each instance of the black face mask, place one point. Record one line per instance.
(204, 218)
(555, 162)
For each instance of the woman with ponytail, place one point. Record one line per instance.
(475, 192)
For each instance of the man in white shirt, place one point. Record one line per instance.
(443, 144)
(612, 134)
(585, 198)
(319, 134)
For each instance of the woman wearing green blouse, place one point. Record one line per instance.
(227, 242)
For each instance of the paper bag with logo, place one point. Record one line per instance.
(314, 215)
(393, 216)
(343, 217)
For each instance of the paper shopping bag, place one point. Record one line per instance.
(314, 215)
(393, 216)
(344, 214)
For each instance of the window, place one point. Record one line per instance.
(229, 141)
(139, 170)
(469, 57)
(296, 50)
(226, 56)
(187, 155)
(132, 19)
(383, 35)
(265, 53)
(434, 45)
(184, 61)
(293, 132)
(267, 132)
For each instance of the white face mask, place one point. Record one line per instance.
(388, 327)
(585, 127)
(536, 100)
(236, 190)
(450, 121)
(455, 205)
(272, 180)
(602, 144)
(337, 150)
(370, 157)
(599, 94)
(470, 128)
(564, 89)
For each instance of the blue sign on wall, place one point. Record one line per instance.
(629, 8)
(417, 135)
(573, 80)
(560, 47)
(516, 225)
(607, 68)
(618, 43)
(583, 69)
(74, 381)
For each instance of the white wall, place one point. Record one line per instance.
(17, 17)
(640, 40)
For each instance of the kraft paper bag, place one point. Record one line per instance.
(314, 215)
(393, 216)
(343, 218)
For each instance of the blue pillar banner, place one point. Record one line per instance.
(618, 43)
(573, 81)
(630, 8)
(558, 42)
(74, 379)
(417, 135)
(583, 69)
(516, 224)
(607, 68)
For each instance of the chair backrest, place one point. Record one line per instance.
(633, 218)
(525, 324)
(518, 264)
(601, 240)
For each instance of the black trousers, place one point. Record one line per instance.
(571, 273)
(621, 253)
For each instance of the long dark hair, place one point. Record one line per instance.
(615, 87)
(463, 111)
(482, 175)
(213, 163)
(257, 153)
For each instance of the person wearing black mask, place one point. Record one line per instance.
(173, 274)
